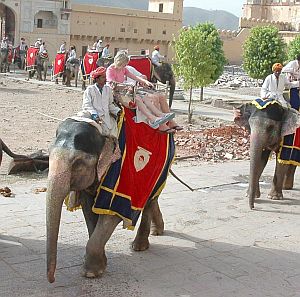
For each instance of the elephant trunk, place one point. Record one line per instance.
(172, 90)
(58, 188)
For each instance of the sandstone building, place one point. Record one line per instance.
(56, 21)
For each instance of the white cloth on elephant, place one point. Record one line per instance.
(292, 70)
(156, 58)
(103, 105)
(273, 88)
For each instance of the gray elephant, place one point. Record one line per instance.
(4, 63)
(267, 125)
(71, 71)
(72, 167)
(164, 74)
(41, 62)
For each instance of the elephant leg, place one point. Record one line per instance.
(87, 202)
(95, 259)
(157, 226)
(276, 190)
(141, 241)
(258, 162)
(288, 182)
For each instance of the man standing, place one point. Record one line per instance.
(4, 44)
(156, 57)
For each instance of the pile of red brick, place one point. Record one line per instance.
(228, 142)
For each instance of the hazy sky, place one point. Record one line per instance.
(233, 6)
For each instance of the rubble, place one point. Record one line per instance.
(220, 144)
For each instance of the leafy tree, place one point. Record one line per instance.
(261, 50)
(199, 57)
(294, 48)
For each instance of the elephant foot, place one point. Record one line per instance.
(273, 195)
(94, 267)
(157, 229)
(139, 245)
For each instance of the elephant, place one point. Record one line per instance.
(267, 126)
(164, 74)
(72, 167)
(71, 71)
(41, 62)
(4, 63)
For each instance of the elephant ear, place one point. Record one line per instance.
(290, 122)
(245, 111)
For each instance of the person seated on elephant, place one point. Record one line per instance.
(274, 85)
(42, 47)
(38, 43)
(157, 99)
(71, 54)
(62, 48)
(98, 101)
(117, 72)
(156, 57)
(292, 70)
(105, 51)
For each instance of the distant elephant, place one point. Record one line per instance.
(105, 62)
(164, 74)
(4, 63)
(267, 126)
(71, 71)
(41, 62)
(72, 167)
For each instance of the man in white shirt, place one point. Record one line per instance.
(105, 52)
(99, 102)
(72, 54)
(38, 43)
(62, 48)
(156, 57)
(275, 84)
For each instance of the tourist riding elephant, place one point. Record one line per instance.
(267, 125)
(164, 74)
(72, 167)
(4, 64)
(71, 71)
(41, 62)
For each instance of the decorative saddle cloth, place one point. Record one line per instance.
(142, 64)
(289, 152)
(88, 64)
(140, 174)
(30, 58)
(263, 103)
(58, 65)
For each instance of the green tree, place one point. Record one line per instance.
(261, 50)
(294, 48)
(199, 57)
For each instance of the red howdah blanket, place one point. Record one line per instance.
(140, 174)
(30, 58)
(59, 64)
(88, 64)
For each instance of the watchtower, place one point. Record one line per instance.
(174, 7)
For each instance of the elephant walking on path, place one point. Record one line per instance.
(73, 168)
(267, 125)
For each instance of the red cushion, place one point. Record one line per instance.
(141, 64)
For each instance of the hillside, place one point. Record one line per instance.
(191, 15)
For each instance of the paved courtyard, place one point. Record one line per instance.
(213, 244)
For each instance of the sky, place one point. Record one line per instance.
(233, 6)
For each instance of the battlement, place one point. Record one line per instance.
(227, 34)
(252, 22)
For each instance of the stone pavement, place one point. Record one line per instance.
(213, 245)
